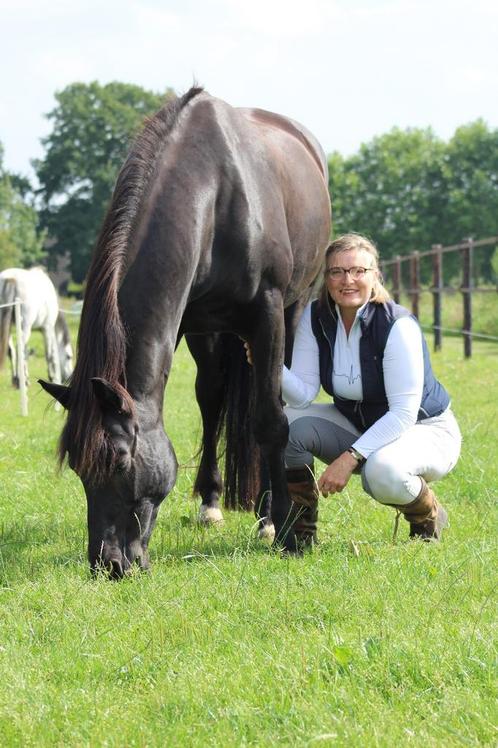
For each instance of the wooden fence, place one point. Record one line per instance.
(393, 272)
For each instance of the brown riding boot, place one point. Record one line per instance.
(304, 496)
(426, 516)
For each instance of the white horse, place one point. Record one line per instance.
(39, 311)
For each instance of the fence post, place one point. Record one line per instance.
(437, 284)
(467, 282)
(397, 279)
(21, 371)
(415, 282)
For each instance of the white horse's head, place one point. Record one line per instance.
(64, 346)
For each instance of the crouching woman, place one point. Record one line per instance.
(390, 419)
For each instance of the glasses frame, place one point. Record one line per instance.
(346, 271)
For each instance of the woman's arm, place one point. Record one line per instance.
(301, 383)
(403, 367)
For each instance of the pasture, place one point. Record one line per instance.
(364, 642)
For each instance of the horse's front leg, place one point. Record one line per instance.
(26, 334)
(207, 353)
(270, 424)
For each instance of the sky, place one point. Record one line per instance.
(347, 69)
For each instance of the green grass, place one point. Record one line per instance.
(226, 644)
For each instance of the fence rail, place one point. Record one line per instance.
(467, 288)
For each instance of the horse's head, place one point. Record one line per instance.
(66, 359)
(127, 466)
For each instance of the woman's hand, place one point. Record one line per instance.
(336, 476)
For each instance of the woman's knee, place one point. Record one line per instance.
(384, 480)
(300, 446)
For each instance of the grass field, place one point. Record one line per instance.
(365, 642)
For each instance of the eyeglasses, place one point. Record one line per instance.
(356, 272)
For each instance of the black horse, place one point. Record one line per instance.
(218, 224)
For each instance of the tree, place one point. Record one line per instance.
(93, 127)
(409, 190)
(471, 164)
(392, 190)
(21, 243)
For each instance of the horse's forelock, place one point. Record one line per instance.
(84, 441)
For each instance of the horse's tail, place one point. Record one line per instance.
(7, 297)
(242, 454)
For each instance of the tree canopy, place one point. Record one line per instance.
(93, 127)
(21, 244)
(408, 190)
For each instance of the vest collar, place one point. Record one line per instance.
(364, 313)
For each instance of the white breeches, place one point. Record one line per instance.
(391, 474)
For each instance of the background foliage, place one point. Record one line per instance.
(21, 243)
(93, 127)
(409, 190)
(406, 189)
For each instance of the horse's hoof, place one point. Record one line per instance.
(267, 532)
(210, 515)
(288, 552)
(288, 546)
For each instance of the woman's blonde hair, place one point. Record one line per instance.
(347, 242)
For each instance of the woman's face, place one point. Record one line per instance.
(349, 292)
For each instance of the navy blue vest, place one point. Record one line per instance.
(376, 321)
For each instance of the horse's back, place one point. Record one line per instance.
(272, 175)
(37, 294)
(288, 130)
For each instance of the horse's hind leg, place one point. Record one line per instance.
(13, 362)
(270, 424)
(209, 386)
(262, 506)
(266, 528)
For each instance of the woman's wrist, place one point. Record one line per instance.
(356, 455)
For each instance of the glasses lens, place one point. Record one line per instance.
(335, 273)
(357, 272)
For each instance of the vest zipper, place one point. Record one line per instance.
(357, 409)
(357, 405)
(331, 353)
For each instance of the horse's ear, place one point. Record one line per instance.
(59, 392)
(107, 395)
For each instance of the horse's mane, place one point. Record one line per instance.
(102, 338)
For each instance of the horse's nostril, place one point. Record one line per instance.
(112, 567)
(115, 569)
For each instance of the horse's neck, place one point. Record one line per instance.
(151, 317)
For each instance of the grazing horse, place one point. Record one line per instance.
(39, 311)
(218, 224)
